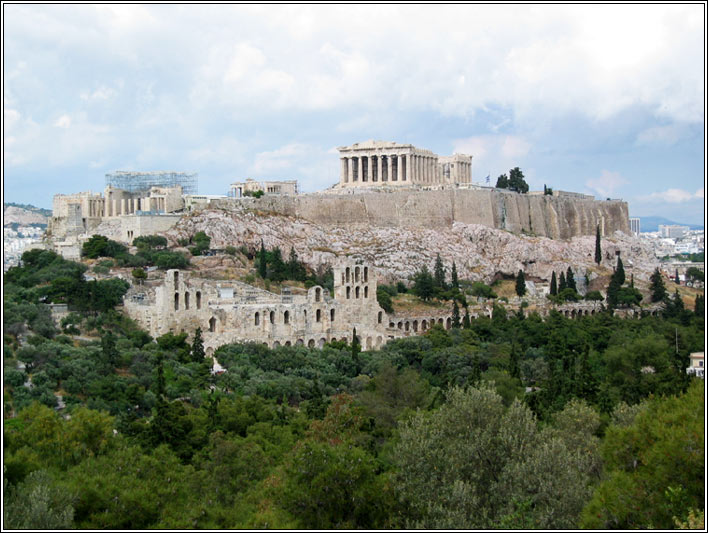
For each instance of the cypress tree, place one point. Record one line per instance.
(439, 274)
(520, 283)
(198, 346)
(262, 262)
(455, 281)
(657, 287)
(514, 362)
(466, 324)
(598, 249)
(554, 285)
(108, 348)
(699, 307)
(561, 284)
(570, 280)
(455, 315)
(677, 281)
(619, 272)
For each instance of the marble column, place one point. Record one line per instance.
(404, 163)
(343, 176)
(379, 160)
(359, 168)
(122, 206)
(370, 168)
(350, 169)
(399, 168)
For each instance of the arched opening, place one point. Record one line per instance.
(318, 294)
(331, 315)
(366, 291)
(379, 340)
(424, 325)
(415, 325)
(356, 292)
(318, 316)
(380, 316)
(349, 293)
(408, 326)
(368, 343)
(276, 344)
(257, 318)
(342, 278)
(186, 300)
(176, 301)
(311, 343)
(366, 274)
(400, 325)
(286, 317)
(304, 315)
(288, 343)
(448, 323)
(391, 325)
(272, 317)
(321, 343)
(212, 324)
(440, 321)
(300, 342)
(348, 271)
(199, 299)
(356, 275)
(176, 277)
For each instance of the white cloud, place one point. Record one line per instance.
(101, 93)
(606, 184)
(493, 154)
(674, 196)
(659, 135)
(63, 121)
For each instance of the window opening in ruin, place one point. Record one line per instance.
(349, 293)
(366, 292)
(318, 294)
(186, 300)
(257, 319)
(356, 292)
(272, 317)
(286, 317)
(199, 300)
(311, 343)
(176, 278)
(348, 274)
(331, 315)
(212, 324)
(366, 274)
(176, 301)
(318, 315)
(356, 275)
(380, 316)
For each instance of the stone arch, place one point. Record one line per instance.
(199, 299)
(257, 318)
(318, 315)
(300, 342)
(331, 315)
(379, 340)
(322, 342)
(368, 343)
(276, 344)
(440, 321)
(318, 294)
(209, 352)
(424, 325)
(356, 292)
(391, 325)
(186, 300)
(348, 271)
(592, 312)
(176, 278)
(349, 292)
(286, 317)
(271, 317)
(380, 317)
(366, 291)
(356, 274)
(288, 343)
(176, 301)
(366, 274)
(212, 324)
(407, 325)
(400, 325)
(311, 343)
(415, 325)
(448, 323)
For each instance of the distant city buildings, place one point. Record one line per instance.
(250, 187)
(673, 231)
(634, 225)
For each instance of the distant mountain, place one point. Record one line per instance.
(653, 223)
(25, 215)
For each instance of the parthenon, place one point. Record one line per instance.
(381, 163)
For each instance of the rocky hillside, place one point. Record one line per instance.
(480, 252)
(24, 215)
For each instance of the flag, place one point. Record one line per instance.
(487, 178)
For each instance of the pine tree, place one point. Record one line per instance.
(198, 346)
(439, 274)
(554, 285)
(356, 348)
(520, 283)
(262, 262)
(699, 308)
(598, 249)
(570, 280)
(657, 287)
(619, 271)
(561, 283)
(454, 280)
(424, 285)
(455, 315)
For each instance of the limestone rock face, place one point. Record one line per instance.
(21, 216)
(480, 252)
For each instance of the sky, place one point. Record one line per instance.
(602, 99)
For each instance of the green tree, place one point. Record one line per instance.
(423, 284)
(108, 348)
(37, 504)
(517, 182)
(454, 281)
(139, 275)
(657, 287)
(502, 182)
(455, 315)
(262, 262)
(562, 283)
(384, 299)
(520, 283)
(695, 274)
(439, 274)
(570, 280)
(198, 346)
(699, 306)
(598, 248)
(619, 272)
(554, 285)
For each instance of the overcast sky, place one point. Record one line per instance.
(602, 99)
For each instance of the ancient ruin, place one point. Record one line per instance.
(389, 164)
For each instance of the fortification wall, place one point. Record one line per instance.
(556, 217)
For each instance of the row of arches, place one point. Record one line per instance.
(270, 316)
(422, 325)
(357, 292)
(197, 300)
(359, 273)
(368, 342)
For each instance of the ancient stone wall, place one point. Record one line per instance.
(556, 217)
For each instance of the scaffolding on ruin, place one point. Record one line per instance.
(142, 181)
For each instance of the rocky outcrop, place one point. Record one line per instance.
(23, 216)
(480, 252)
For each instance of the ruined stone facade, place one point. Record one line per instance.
(232, 311)
(240, 188)
(389, 164)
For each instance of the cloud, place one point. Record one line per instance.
(606, 184)
(659, 135)
(102, 93)
(493, 154)
(673, 196)
(63, 121)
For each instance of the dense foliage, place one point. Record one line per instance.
(503, 422)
